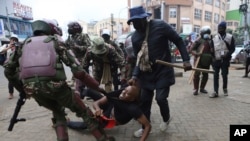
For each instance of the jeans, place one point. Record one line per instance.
(223, 66)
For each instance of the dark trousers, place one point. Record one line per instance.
(161, 98)
(247, 65)
(11, 88)
(223, 66)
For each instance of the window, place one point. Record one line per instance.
(197, 28)
(208, 16)
(236, 24)
(209, 2)
(197, 14)
(217, 3)
(223, 6)
(173, 26)
(172, 12)
(216, 18)
(229, 23)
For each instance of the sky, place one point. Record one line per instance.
(65, 11)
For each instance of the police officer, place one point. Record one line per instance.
(78, 42)
(105, 61)
(118, 49)
(202, 48)
(40, 61)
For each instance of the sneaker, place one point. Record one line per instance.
(213, 95)
(138, 133)
(225, 92)
(203, 91)
(164, 125)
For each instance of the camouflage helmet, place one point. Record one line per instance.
(74, 27)
(98, 46)
(48, 27)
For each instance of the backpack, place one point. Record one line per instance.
(38, 58)
(2, 58)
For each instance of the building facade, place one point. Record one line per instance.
(15, 19)
(186, 16)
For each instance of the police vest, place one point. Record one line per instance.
(40, 60)
(220, 47)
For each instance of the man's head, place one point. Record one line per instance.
(222, 27)
(74, 27)
(130, 93)
(14, 38)
(205, 32)
(106, 35)
(139, 18)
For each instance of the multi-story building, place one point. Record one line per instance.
(116, 26)
(186, 16)
(15, 19)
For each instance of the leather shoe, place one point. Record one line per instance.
(195, 92)
(203, 91)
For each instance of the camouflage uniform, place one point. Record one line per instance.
(53, 92)
(79, 43)
(111, 57)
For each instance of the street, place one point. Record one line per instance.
(194, 118)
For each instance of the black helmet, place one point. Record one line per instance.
(74, 27)
(48, 27)
(205, 30)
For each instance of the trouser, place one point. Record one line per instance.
(55, 99)
(247, 65)
(11, 88)
(161, 98)
(223, 66)
(204, 78)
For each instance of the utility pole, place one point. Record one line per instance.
(112, 24)
(244, 9)
(8, 20)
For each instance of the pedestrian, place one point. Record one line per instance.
(247, 69)
(202, 52)
(104, 61)
(223, 46)
(125, 108)
(79, 43)
(118, 49)
(8, 49)
(40, 63)
(151, 42)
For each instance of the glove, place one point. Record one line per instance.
(187, 66)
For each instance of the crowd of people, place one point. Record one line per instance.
(41, 75)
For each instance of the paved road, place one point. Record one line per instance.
(195, 118)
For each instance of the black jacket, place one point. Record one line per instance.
(160, 33)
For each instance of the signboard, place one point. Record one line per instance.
(1, 29)
(22, 11)
(187, 28)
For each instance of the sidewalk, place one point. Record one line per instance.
(195, 118)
